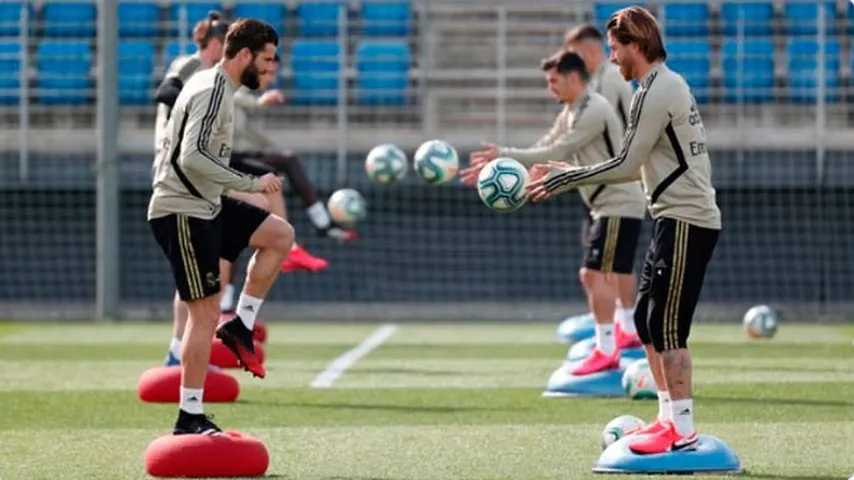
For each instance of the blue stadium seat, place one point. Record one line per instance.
(173, 50)
(386, 18)
(69, 19)
(602, 11)
(801, 18)
(64, 72)
(750, 77)
(686, 19)
(316, 68)
(195, 11)
(319, 18)
(136, 63)
(138, 19)
(757, 17)
(10, 71)
(274, 14)
(382, 72)
(10, 18)
(690, 58)
(802, 75)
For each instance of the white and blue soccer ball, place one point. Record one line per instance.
(619, 428)
(761, 321)
(347, 207)
(436, 161)
(386, 164)
(638, 382)
(501, 185)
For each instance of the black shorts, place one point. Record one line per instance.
(251, 163)
(194, 245)
(610, 244)
(671, 281)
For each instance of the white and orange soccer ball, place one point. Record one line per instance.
(619, 428)
(501, 185)
(761, 321)
(638, 381)
(386, 164)
(347, 207)
(436, 162)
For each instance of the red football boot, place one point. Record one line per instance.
(666, 440)
(625, 339)
(597, 361)
(652, 428)
(300, 259)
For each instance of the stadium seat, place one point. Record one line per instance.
(801, 18)
(686, 19)
(690, 58)
(69, 19)
(173, 50)
(802, 75)
(195, 11)
(382, 72)
(136, 63)
(748, 70)
(602, 11)
(319, 18)
(274, 14)
(10, 71)
(138, 19)
(64, 72)
(757, 18)
(10, 19)
(316, 67)
(389, 18)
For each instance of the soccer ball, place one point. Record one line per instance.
(501, 185)
(619, 428)
(436, 162)
(638, 381)
(386, 164)
(761, 322)
(347, 207)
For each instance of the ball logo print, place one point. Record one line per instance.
(501, 185)
(386, 164)
(436, 162)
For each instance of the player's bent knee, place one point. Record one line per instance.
(284, 237)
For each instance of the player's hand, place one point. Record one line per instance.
(538, 176)
(538, 171)
(537, 190)
(270, 183)
(271, 97)
(478, 160)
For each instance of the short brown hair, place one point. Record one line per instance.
(581, 32)
(637, 25)
(251, 34)
(213, 26)
(566, 62)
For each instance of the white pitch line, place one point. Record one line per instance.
(335, 369)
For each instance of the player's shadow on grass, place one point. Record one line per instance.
(777, 401)
(772, 476)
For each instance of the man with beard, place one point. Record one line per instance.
(195, 224)
(665, 145)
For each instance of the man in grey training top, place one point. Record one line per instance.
(665, 146)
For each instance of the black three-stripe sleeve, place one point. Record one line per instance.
(649, 118)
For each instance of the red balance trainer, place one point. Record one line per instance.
(161, 384)
(231, 454)
(221, 356)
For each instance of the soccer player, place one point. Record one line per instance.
(665, 145)
(586, 132)
(605, 79)
(195, 224)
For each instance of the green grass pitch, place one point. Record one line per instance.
(445, 401)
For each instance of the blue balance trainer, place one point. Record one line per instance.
(600, 384)
(711, 456)
(584, 348)
(577, 328)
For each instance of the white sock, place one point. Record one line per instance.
(318, 216)
(226, 301)
(175, 347)
(191, 400)
(605, 337)
(247, 308)
(682, 413)
(626, 317)
(663, 405)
